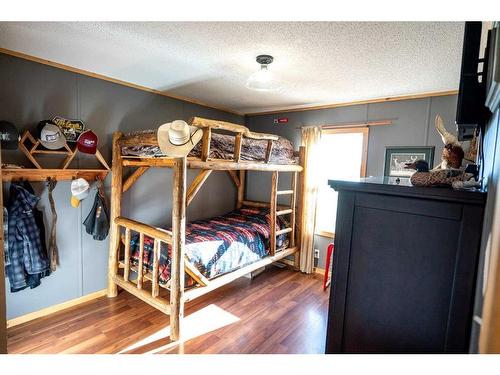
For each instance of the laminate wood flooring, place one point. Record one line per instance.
(279, 311)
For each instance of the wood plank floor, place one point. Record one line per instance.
(279, 311)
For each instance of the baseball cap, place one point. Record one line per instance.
(8, 135)
(87, 142)
(50, 135)
(79, 191)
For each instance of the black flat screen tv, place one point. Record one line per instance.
(471, 110)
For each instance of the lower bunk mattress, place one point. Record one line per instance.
(218, 245)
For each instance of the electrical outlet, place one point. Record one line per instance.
(316, 253)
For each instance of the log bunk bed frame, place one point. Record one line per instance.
(173, 302)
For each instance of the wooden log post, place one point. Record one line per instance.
(126, 270)
(205, 145)
(237, 147)
(235, 128)
(149, 162)
(280, 207)
(155, 288)
(116, 197)
(222, 165)
(269, 150)
(301, 196)
(140, 272)
(293, 207)
(178, 242)
(161, 234)
(133, 178)
(195, 274)
(241, 189)
(196, 185)
(194, 293)
(234, 177)
(273, 202)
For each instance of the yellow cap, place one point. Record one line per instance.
(75, 202)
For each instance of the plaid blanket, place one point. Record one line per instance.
(218, 245)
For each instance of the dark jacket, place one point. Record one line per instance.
(28, 258)
(97, 221)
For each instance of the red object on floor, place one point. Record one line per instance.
(329, 252)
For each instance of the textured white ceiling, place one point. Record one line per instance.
(316, 62)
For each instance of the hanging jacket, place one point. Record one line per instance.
(6, 238)
(97, 221)
(38, 218)
(28, 259)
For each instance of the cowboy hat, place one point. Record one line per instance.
(177, 138)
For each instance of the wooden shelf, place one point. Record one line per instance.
(35, 174)
(59, 174)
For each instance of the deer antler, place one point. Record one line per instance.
(447, 138)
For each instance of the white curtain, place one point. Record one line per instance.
(310, 140)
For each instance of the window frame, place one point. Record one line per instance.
(365, 130)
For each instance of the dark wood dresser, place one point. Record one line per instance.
(405, 264)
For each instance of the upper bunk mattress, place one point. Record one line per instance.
(222, 147)
(218, 245)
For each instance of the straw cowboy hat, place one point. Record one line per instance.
(177, 138)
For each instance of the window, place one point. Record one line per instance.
(344, 154)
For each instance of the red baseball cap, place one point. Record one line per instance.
(87, 142)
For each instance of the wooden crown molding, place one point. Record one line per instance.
(359, 102)
(113, 80)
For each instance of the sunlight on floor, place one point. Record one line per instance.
(315, 317)
(198, 323)
(315, 325)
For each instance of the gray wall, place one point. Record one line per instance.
(413, 125)
(30, 92)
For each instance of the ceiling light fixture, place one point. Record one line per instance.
(263, 80)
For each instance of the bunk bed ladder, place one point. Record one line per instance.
(275, 212)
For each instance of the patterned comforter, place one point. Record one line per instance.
(218, 245)
(222, 147)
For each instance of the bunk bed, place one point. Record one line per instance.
(168, 267)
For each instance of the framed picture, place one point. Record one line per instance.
(396, 158)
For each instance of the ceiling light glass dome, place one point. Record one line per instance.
(263, 79)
